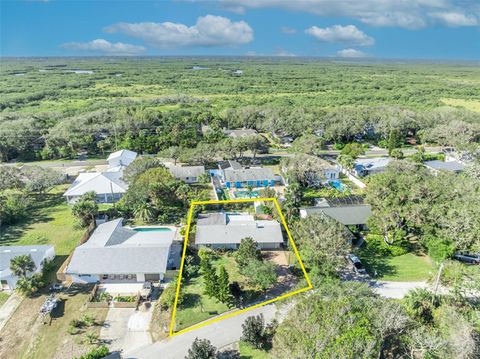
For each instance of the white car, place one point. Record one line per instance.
(356, 263)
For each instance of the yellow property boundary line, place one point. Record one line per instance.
(236, 312)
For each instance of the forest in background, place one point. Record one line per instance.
(49, 111)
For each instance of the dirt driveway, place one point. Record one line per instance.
(126, 329)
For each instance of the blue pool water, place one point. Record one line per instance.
(245, 194)
(152, 229)
(338, 185)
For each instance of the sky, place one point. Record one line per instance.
(397, 29)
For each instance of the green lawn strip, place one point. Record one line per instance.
(248, 352)
(403, 268)
(3, 297)
(50, 221)
(196, 306)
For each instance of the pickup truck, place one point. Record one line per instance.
(466, 257)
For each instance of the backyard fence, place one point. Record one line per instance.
(61, 276)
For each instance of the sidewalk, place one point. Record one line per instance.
(8, 308)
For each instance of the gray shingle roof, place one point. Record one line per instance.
(221, 228)
(118, 250)
(7, 253)
(451, 166)
(249, 174)
(187, 171)
(347, 215)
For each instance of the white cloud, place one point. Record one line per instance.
(283, 53)
(109, 48)
(209, 30)
(351, 53)
(455, 19)
(343, 34)
(288, 30)
(410, 14)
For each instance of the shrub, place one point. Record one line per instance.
(376, 243)
(253, 331)
(96, 353)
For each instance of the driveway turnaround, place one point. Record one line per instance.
(220, 334)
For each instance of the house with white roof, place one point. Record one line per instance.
(39, 255)
(187, 174)
(226, 231)
(108, 185)
(233, 175)
(239, 133)
(368, 166)
(437, 166)
(121, 158)
(115, 254)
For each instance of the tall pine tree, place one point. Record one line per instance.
(223, 290)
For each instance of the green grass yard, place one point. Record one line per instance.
(50, 221)
(248, 352)
(198, 307)
(405, 268)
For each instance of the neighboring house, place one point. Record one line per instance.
(246, 132)
(349, 212)
(319, 170)
(233, 175)
(188, 174)
(39, 255)
(226, 230)
(284, 138)
(369, 166)
(449, 166)
(121, 158)
(114, 253)
(108, 186)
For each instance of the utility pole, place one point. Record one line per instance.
(437, 280)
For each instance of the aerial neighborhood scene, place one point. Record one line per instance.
(240, 179)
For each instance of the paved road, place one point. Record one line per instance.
(8, 308)
(220, 334)
(395, 290)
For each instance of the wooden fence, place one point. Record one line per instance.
(61, 276)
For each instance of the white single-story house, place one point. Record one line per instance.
(369, 166)
(188, 174)
(449, 166)
(226, 231)
(115, 254)
(233, 175)
(121, 158)
(108, 186)
(39, 255)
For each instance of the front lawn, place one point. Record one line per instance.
(404, 268)
(248, 352)
(26, 336)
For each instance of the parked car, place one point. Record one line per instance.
(56, 287)
(356, 263)
(466, 257)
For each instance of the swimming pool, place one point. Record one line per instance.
(152, 229)
(246, 194)
(338, 185)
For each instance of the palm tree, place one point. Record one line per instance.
(21, 265)
(144, 212)
(249, 191)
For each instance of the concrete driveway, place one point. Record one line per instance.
(8, 308)
(126, 329)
